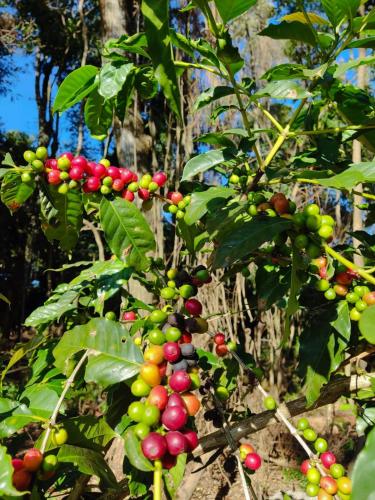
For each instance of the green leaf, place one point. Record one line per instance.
(357, 173)
(88, 462)
(40, 400)
(290, 31)
(98, 115)
(134, 453)
(156, 18)
(4, 299)
(126, 231)
(20, 417)
(337, 10)
(133, 44)
(211, 95)
(216, 138)
(366, 324)
(245, 237)
(284, 89)
(231, 10)
(368, 43)
(112, 77)
(8, 160)
(296, 283)
(284, 72)
(6, 473)
(53, 311)
(14, 192)
(343, 68)
(363, 471)
(76, 86)
(89, 432)
(174, 477)
(113, 356)
(301, 18)
(322, 346)
(61, 216)
(203, 162)
(204, 201)
(271, 285)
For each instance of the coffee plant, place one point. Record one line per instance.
(142, 356)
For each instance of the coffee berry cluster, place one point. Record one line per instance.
(163, 417)
(36, 465)
(77, 172)
(345, 284)
(325, 477)
(177, 203)
(250, 458)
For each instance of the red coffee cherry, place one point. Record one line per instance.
(253, 461)
(154, 446)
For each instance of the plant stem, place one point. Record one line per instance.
(271, 118)
(184, 64)
(67, 385)
(283, 135)
(158, 480)
(349, 264)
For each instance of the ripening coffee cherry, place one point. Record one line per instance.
(355, 315)
(303, 424)
(136, 411)
(311, 209)
(369, 298)
(309, 435)
(329, 485)
(352, 298)
(176, 442)
(171, 351)
(63, 163)
(174, 418)
(180, 381)
(219, 338)
(158, 397)
(29, 156)
(191, 439)
(154, 446)
(327, 458)
(32, 460)
(322, 285)
(154, 354)
(344, 485)
(158, 316)
(21, 479)
(269, 403)
(312, 490)
(53, 177)
(343, 278)
(253, 461)
(336, 470)
(159, 178)
(150, 374)
(340, 290)
(325, 231)
(139, 388)
(59, 436)
(92, 184)
(320, 445)
(313, 475)
(193, 307)
(330, 294)
(305, 466)
(245, 449)
(128, 195)
(313, 222)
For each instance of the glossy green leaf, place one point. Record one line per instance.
(357, 173)
(363, 471)
(213, 94)
(6, 472)
(89, 432)
(156, 18)
(343, 68)
(134, 453)
(284, 89)
(271, 285)
(337, 10)
(112, 77)
(368, 43)
(231, 10)
(174, 476)
(204, 201)
(134, 44)
(53, 311)
(301, 18)
(13, 191)
(88, 462)
(322, 347)
(8, 160)
(40, 400)
(20, 417)
(76, 86)
(367, 324)
(296, 282)
(113, 356)
(203, 162)
(290, 31)
(126, 231)
(98, 115)
(61, 216)
(245, 237)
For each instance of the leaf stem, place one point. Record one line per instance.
(184, 64)
(349, 264)
(271, 118)
(157, 480)
(67, 385)
(333, 130)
